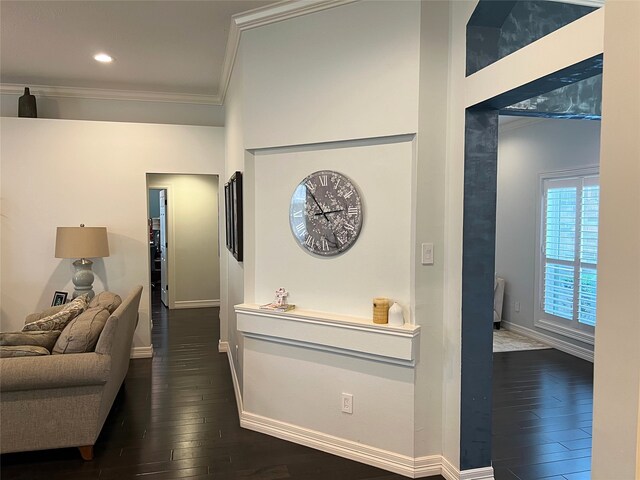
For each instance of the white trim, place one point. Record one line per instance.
(576, 331)
(331, 332)
(571, 349)
(106, 94)
(391, 461)
(556, 327)
(450, 472)
(234, 377)
(485, 473)
(141, 352)
(260, 17)
(196, 303)
(427, 466)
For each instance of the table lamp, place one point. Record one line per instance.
(82, 243)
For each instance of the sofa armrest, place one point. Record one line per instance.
(54, 371)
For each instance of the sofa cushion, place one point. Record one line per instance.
(59, 320)
(107, 300)
(35, 338)
(22, 351)
(81, 334)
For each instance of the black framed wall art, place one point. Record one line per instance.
(233, 212)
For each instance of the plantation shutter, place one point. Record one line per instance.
(570, 248)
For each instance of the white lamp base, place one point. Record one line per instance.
(83, 278)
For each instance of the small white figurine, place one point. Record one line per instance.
(281, 297)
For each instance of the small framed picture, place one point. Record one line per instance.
(59, 298)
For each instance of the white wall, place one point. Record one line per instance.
(74, 108)
(616, 399)
(67, 172)
(428, 280)
(304, 84)
(343, 73)
(378, 264)
(194, 262)
(315, 379)
(526, 149)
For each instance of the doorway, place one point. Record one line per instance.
(184, 270)
(158, 242)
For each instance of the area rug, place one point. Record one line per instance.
(507, 341)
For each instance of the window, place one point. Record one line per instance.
(569, 251)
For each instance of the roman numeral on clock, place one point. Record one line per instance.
(325, 244)
(349, 227)
(324, 180)
(309, 241)
(348, 194)
(353, 210)
(300, 228)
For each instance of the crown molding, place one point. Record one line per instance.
(107, 94)
(260, 17)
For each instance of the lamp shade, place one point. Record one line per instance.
(81, 242)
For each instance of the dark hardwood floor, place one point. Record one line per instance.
(176, 418)
(542, 414)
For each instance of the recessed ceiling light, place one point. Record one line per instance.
(103, 58)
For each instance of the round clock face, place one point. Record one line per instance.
(326, 213)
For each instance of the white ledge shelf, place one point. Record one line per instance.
(331, 332)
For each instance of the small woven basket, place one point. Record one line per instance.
(380, 310)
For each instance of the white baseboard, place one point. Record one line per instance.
(224, 346)
(452, 473)
(391, 461)
(179, 304)
(427, 466)
(141, 352)
(411, 467)
(561, 345)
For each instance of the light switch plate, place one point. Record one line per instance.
(427, 254)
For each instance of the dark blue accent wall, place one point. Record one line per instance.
(499, 28)
(478, 264)
(580, 100)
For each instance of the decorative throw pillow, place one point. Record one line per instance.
(107, 300)
(32, 317)
(59, 320)
(22, 351)
(81, 334)
(35, 338)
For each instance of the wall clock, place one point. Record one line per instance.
(326, 213)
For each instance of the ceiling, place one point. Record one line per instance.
(175, 47)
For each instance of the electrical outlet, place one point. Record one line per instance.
(347, 403)
(427, 254)
(517, 306)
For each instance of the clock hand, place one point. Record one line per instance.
(321, 211)
(330, 211)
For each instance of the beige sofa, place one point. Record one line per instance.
(57, 401)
